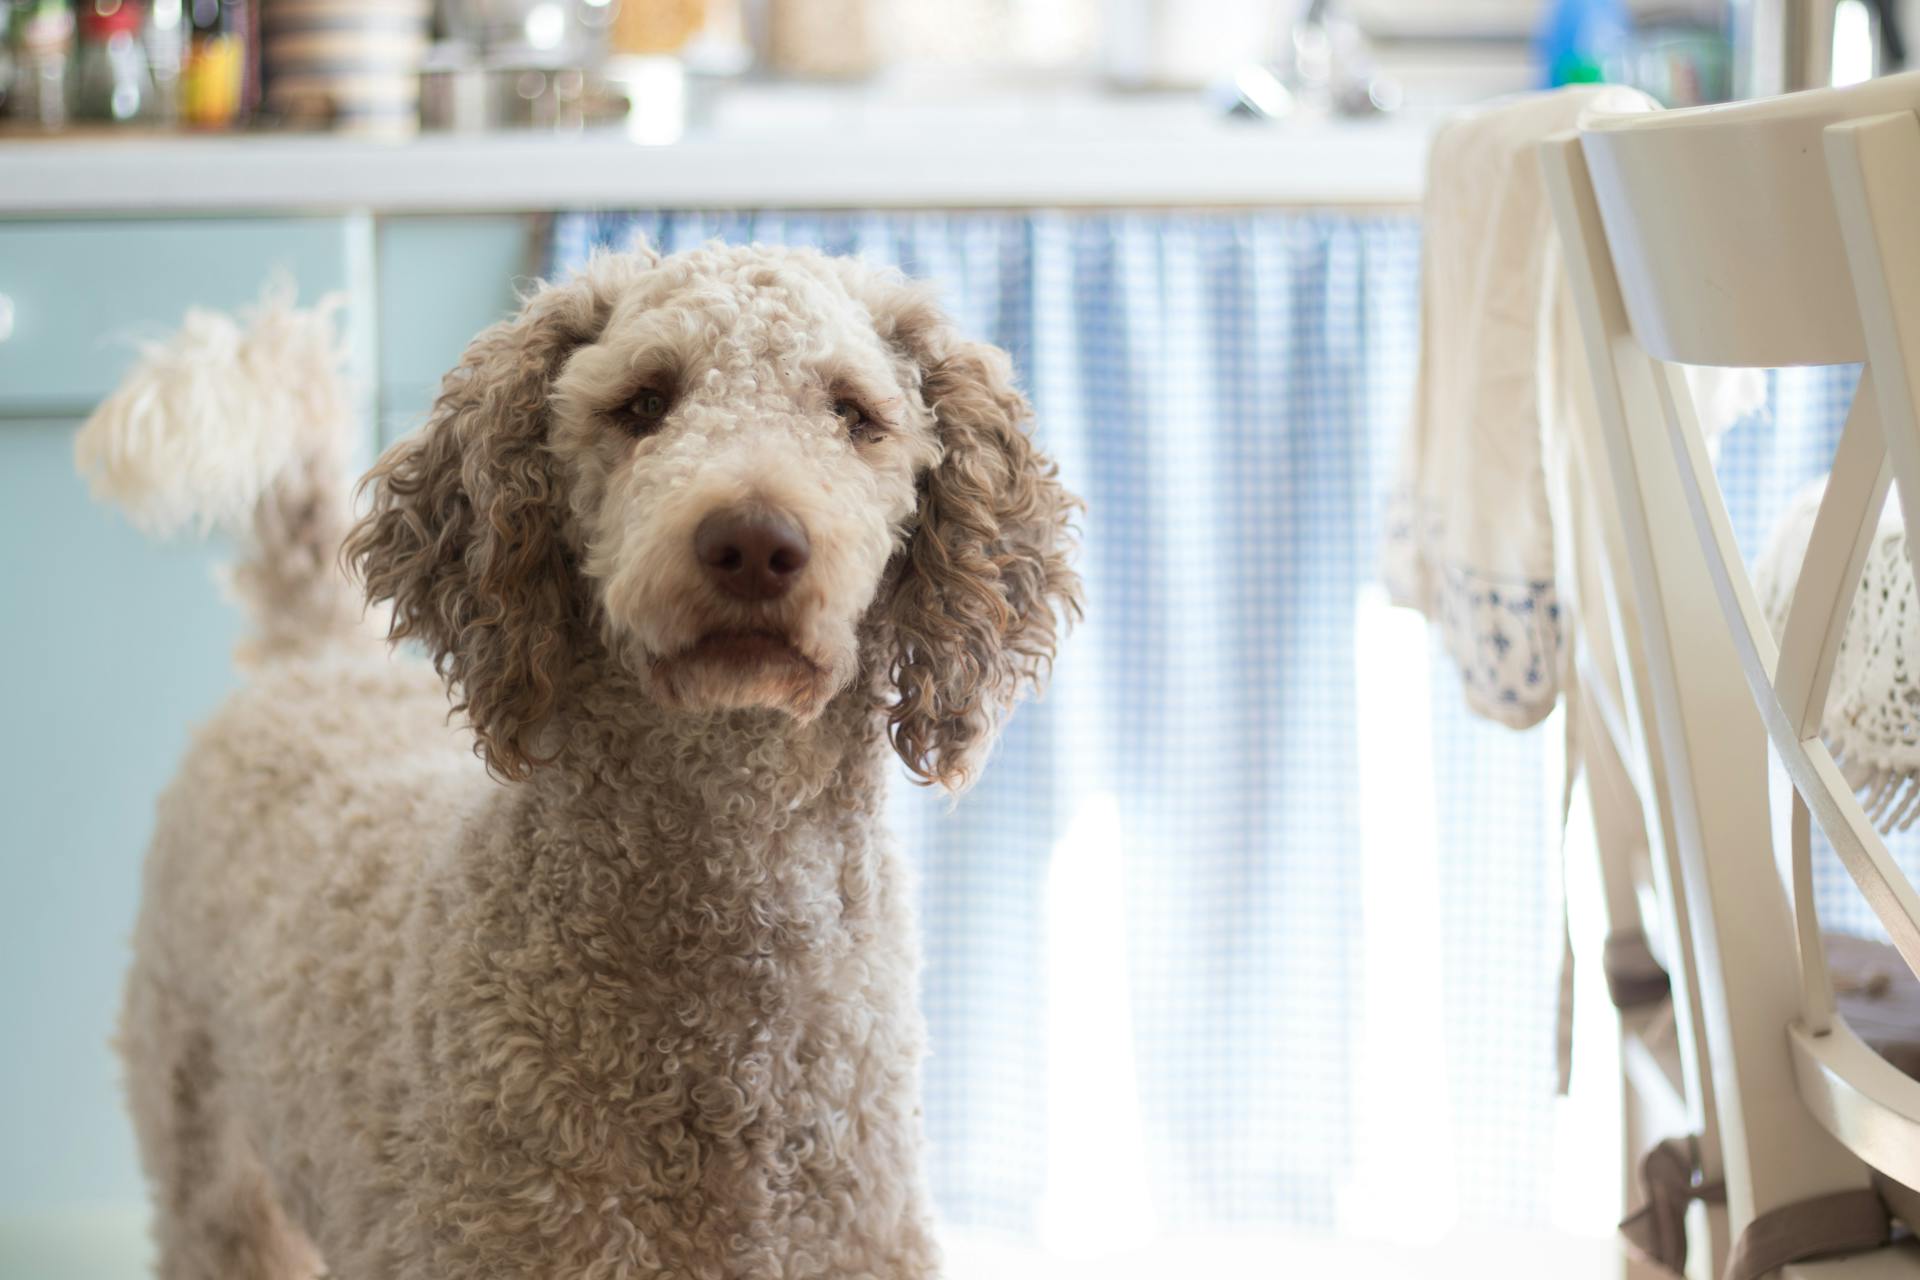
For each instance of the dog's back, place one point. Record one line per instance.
(321, 786)
(288, 849)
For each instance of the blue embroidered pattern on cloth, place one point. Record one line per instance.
(1228, 392)
(1506, 635)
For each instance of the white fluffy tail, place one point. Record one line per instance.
(245, 426)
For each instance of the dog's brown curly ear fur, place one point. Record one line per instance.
(463, 534)
(986, 576)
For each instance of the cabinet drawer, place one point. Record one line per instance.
(75, 297)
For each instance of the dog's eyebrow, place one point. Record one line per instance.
(852, 378)
(887, 409)
(884, 406)
(662, 377)
(658, 347)
(656, 365)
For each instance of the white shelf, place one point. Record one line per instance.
(1129, 154)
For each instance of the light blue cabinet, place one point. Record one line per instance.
(442, 280)
(82, 294)
(113, 647)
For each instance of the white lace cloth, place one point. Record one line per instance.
(1872, 720)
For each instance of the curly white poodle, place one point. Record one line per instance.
(688, 541)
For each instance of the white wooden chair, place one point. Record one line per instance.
(1666, 1088)
(1780, 232)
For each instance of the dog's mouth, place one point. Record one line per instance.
(739, 668)
(746, 648)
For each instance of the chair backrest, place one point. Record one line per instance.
(1759, 234)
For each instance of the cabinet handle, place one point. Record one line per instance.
(6, 317)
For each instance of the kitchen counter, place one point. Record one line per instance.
(756, 148)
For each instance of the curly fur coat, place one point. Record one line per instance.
(636, 998)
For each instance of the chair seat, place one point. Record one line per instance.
(1898, 1261)
(1879, 996)
(1873, 988)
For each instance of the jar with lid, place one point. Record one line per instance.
(821, 39)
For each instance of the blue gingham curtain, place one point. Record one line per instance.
(1178, 827)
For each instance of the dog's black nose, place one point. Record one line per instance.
(753, 553)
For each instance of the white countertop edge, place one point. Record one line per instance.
(1327, 164)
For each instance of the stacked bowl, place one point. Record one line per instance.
(351, 65)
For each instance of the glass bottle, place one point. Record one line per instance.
(166, 50)
(7, 59)
(43, 39)
(113, 81)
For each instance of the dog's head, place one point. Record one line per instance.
(749, 476)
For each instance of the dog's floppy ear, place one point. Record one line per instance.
(985, 576)
(463, 533)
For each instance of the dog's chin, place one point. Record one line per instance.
(729, 670)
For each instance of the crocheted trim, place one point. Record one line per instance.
(1872, 718)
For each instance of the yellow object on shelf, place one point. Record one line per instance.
(210, 81)
(657, 26)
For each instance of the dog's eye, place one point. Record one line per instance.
(645, 411)
(859, 423)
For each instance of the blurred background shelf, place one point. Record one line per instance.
(815, 150)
